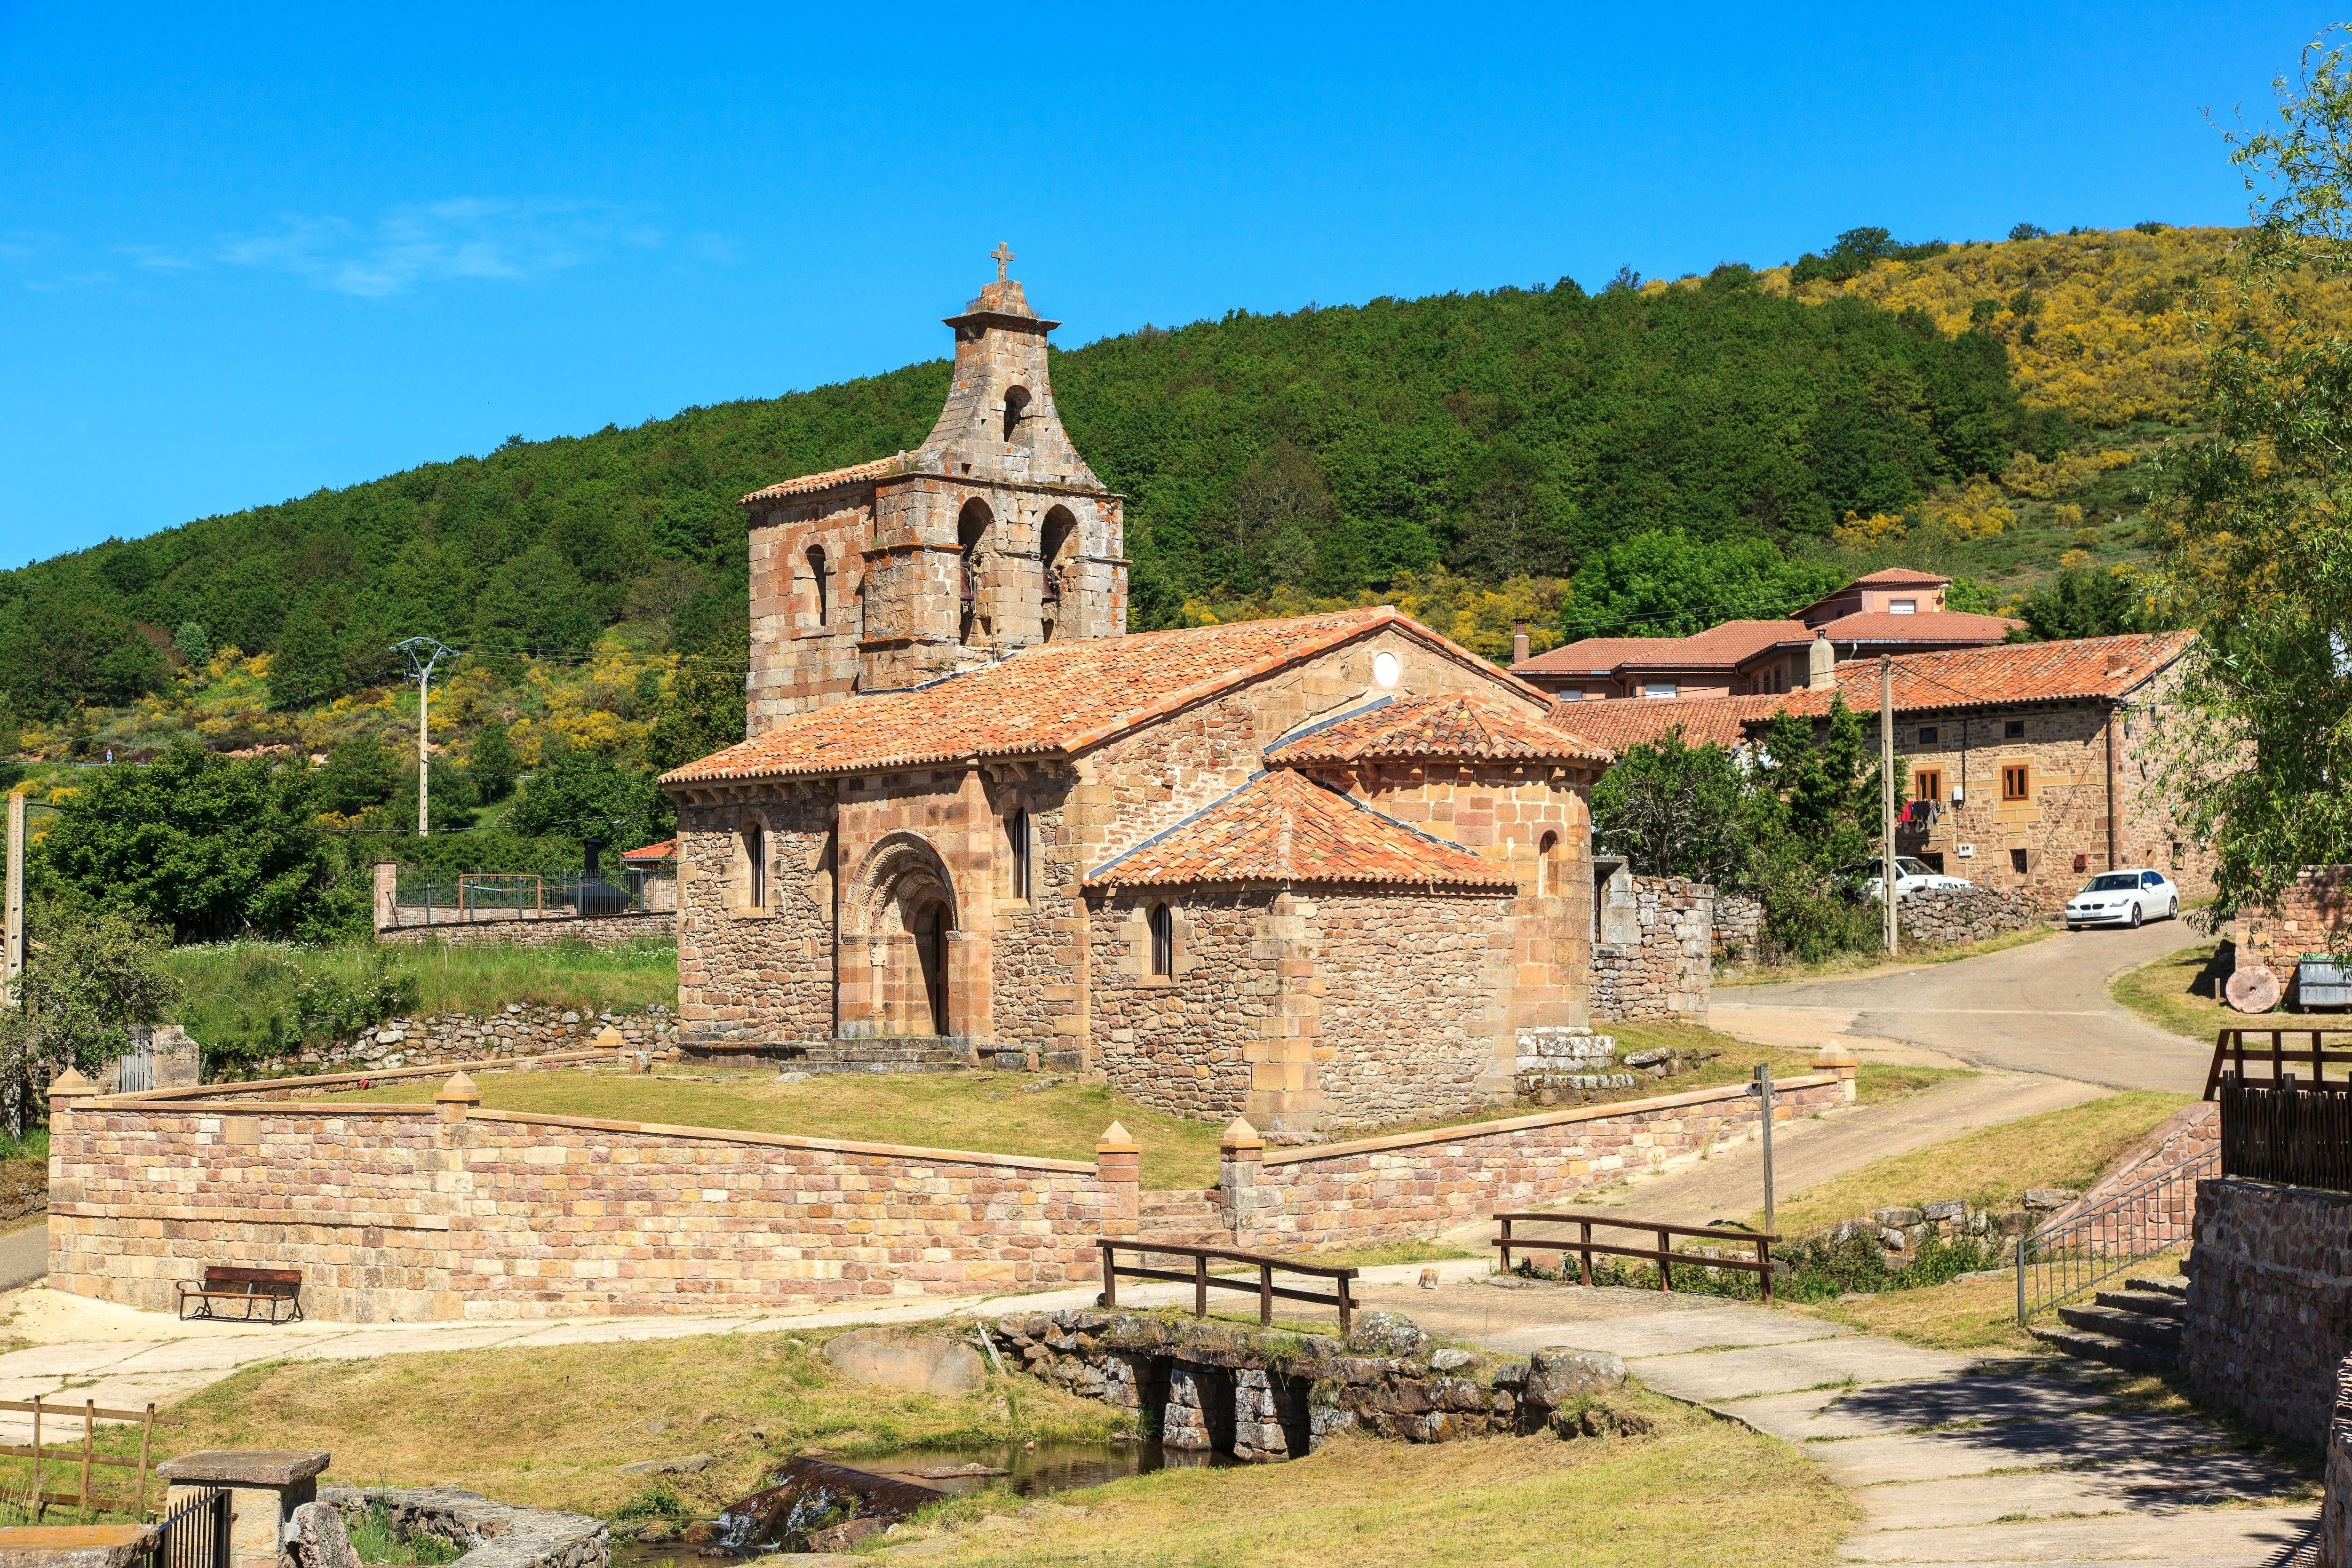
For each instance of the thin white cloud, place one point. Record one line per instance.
(154, 259)
(490, 238)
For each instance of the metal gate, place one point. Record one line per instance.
(136, 1073)
(195, 1533)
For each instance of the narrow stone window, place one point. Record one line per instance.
(1017, 850)
(1548, 884)
(972, 540)
(755, 856)
(1016, 402)
(1163, 940)
(816, 576)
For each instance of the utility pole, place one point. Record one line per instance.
(1886, 788)
(13, 964)
(422, 653)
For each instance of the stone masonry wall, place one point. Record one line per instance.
(499, 929)
(1416, 1184)
(1183, 1043)
(406, 1212)
(1945, 916)
(1738, 926)
(1663, 968)
(517, 1030)
(763, 971)
(1414, 986)
(2269, 1318)
(2315, 915)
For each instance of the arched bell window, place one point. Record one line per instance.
(1017, 403)
(817, 576)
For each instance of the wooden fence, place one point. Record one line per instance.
(42, 1454)
(2300, 1137)
(2279, 1056)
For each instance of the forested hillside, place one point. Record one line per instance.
(1517, 432)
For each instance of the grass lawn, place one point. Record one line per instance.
(1861, 965)
(2178, 994)
(1702, 1490)
(1011, 1114)
(549, 1428)
(234, 988)
(1965, 1315)
(1990, 1167)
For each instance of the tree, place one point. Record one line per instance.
(209, 846)
(703, 710)
(93, 972)
(2083, 603)
(583, 794)
(2260, 761)
(1674, 810)
(194, 645)
(1669, 585)
(60, 653)
(307, 668)
(492, 761)
(359, 775)
(449, 808)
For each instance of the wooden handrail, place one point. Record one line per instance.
(2229, 1053)
(1201, 1280)
(1663, 1254)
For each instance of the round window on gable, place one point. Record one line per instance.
(1385, 670)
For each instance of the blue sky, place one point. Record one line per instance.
(245, 253)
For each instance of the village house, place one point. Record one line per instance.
(1325, 870)
(1894, 611)
(2029, 765)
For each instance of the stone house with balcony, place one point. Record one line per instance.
(1320, 871)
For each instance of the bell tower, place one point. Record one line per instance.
(992, 536)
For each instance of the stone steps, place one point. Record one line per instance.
(2106, 1350)
(2175, 1286)
(2136, 1328)
(1185, 1216)
(2146, 1303)
(2122, 1323)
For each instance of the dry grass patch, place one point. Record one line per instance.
(550, 1427)
(2179, 994)
(1964, 1315)
(1990, 1167)
(1863, 965)
(1702, 1491)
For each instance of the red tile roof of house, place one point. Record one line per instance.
(661, 851)
(2089, 668)
(1457, 724)
(1594, 656)
(1623, 722)
(1052, 700)
(1932, 625)
(1280, 827)
(1899, 577)
(1726, 646)
(856, 473)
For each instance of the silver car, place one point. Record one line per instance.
(2124, 898)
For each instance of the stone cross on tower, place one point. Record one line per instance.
(1003, 253)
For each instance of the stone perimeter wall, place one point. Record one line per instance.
(2269, 1318)
(413, 1212)
(1654, 956)
(1947, 917)
(1415, 1185)
(518, 1030)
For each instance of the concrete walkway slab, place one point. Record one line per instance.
(1784, 1369)
(2206, 1537)
(1880, 1409)
(1668, 1334)
(2133, 1486)
(2092, 1438)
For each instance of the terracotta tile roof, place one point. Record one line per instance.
(1458, 724)
(2009, 673)
(1898, 577)
(1054, 699)
(1279, 827)
(1623, 722)
(664, 850)
(1726, 646)
(1935, 626)
(856, 473)
(1594, 656)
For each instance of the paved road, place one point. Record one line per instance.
(2040, 1008)
(24, 1255)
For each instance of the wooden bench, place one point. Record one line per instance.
(277, 1289)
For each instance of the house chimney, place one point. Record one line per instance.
(1518, 642)
(1822, 675)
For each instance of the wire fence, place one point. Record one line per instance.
(2147, 1219)
(460, 897)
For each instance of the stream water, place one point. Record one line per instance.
(805, 1494)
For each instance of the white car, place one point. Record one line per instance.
(2124, 898)
(1910, 877)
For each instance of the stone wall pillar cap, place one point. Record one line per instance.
(1834, 1056)
(458, 1090)
(1240, 1134)
(1116, 1139)
(70, 1082)
(247, 1466)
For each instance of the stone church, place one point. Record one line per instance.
(1324, 871)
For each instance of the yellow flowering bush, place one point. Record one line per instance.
(1857, 532)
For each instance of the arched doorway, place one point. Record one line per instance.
(930, 934)
(903, 918)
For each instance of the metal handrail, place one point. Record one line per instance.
(2068, 1258)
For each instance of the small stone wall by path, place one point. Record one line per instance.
(1418, 1184)
(1655, 958)
(2313, 915)
(1951, 917)
(1738, 926)
(497, 929)
(2269, 1316)
(515, 1030)
(490, 1534)
(1208, 1386)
